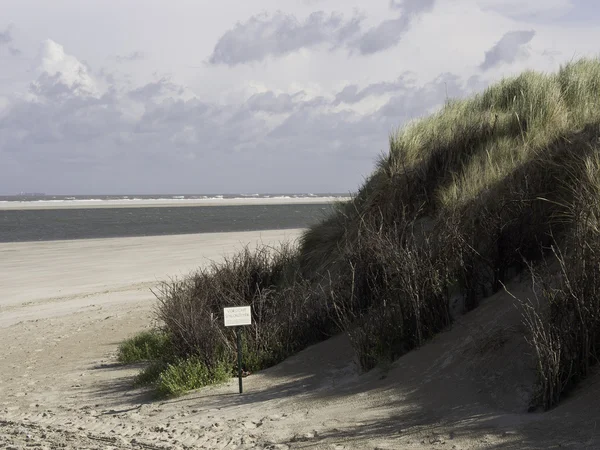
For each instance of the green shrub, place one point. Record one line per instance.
(150, 374)
(189, 374)
(144, 346)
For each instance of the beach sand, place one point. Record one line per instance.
(146, 203)
(66, 305)
(40, 279)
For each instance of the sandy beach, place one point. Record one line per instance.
(38, 279)
(146, 203)
(66, 305)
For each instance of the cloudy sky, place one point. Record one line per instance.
(192, 96)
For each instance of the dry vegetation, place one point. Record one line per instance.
(467, 198)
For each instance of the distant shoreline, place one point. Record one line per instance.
(148, 203)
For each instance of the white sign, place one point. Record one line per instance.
(239, 315)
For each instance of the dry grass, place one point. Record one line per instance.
(397, 294)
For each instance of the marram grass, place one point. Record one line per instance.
(464, 197)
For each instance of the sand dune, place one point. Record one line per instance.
(66, 305)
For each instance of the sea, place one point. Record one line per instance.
(24, 225)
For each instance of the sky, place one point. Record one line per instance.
(261, 96)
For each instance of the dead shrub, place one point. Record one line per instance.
(397, 296)
(564, 325)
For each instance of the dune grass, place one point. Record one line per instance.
(464, 199)
(499, 179)
(188, 374)
(144, 346)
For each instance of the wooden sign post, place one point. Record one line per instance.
(236, 317)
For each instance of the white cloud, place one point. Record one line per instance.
(57, 68)
(78, 133)
(78, 118)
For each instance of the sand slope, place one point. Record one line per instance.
(60, 386)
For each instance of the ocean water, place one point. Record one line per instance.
(86, 223)
(58, 199)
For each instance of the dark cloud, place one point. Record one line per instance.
(352, 94)
(507, 49)
(107, 75)
(389, 32)
(52, 128)
(7, 39)
(280, 34)
(271, 102)
(412, 7)
(181, 145)
(52, 87)
(154, 89)
(133, 56)
(6, 36)
(322, 130)
(385, 35)
(364, 136)
(415, 102)
(314, 102)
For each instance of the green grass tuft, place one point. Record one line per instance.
(189, 374)
(144, 346)
(150, 374)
